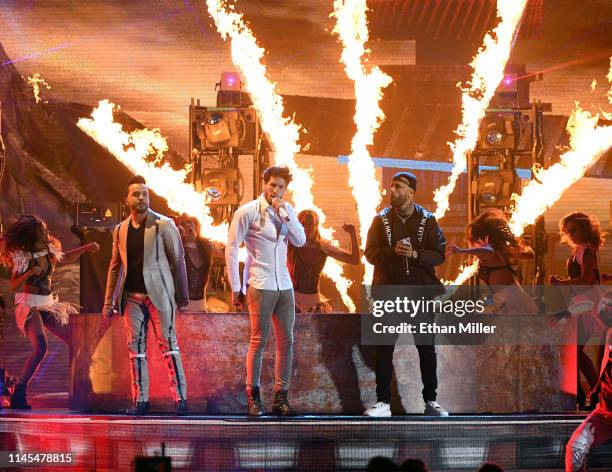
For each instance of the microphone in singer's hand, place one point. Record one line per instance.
(281, 210)
(283, 213)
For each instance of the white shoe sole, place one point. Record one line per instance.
(382, 415)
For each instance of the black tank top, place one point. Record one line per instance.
(574, 268)
(197, 277)
(484, 272)
(305, 267)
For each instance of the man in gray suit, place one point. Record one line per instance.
(147, 281)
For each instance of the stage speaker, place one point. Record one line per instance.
(94, 267)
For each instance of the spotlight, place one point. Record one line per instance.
(214, 194)
(230, 81)
(496, 132)
(230, 92)
(499, 130)
(509, 84)
(494, 188)
(216, 129)
(223, 186)
(494, 138)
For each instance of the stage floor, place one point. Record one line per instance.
(315, 443)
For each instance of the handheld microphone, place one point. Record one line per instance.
(281, 210)
(407, 241)
(283, 213)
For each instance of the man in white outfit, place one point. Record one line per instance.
(265, 226)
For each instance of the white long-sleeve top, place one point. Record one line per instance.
(265, 236)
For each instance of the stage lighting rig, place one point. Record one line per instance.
(510, 133)
(218, 135)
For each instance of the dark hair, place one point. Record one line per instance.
(278, 171)
(407, 178)
(492, 226)
(22, 235)
(490, 467)
(137, 179)
(589, 224)
(413, 465)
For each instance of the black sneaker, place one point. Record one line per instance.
(280, 405)
(140, 409)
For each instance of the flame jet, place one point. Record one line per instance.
(352, 30)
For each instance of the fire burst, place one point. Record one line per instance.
(133, 149)
(488, 65)
(282, 132)
(36, 81)
(588, 142)
(352, 29)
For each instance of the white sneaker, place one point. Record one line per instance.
(434, 409)
(381, 409)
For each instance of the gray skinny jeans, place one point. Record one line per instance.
(277, 306)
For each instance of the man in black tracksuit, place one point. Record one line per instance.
(398, 260)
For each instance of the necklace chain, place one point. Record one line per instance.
(406, 217)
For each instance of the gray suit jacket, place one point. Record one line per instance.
(164, 272)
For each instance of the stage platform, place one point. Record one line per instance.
(332, 371)
(311, 443)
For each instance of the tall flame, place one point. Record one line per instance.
(488, 65)
(282, 132)
(133, 149)
(36, 81)
(352, 30)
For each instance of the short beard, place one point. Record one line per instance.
(396, 204)
(137, 210)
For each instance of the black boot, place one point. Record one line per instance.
(18, 398)
(280, 405)
(140, 409)
(254, 402)
(181, 408)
